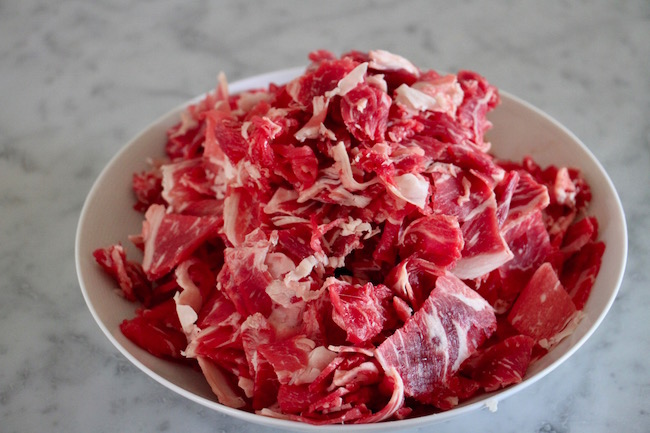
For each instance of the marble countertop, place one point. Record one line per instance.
(79, 79)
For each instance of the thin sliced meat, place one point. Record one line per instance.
(129, 275)
(359, 309)
(544, 309)
(580, 271)
(171, 238)
(485, 249)
(429, 349)
(435, 238)
(504, 363)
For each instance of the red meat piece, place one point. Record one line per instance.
(434, 238)
(359, 309)
(171, 238)
(364, 110)
(147, 187)
(505, 363)
(543, 309)
(580, 270)
(429, 349)
(129, 275)
(157, 331)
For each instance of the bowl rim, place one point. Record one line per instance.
(486, 400)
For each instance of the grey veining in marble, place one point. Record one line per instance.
(78, 79)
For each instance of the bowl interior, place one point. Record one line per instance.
(519, 129)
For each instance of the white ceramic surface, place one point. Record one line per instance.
(519, 129)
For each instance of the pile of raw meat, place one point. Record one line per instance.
(343, 248)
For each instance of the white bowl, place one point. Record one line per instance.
(519, 129)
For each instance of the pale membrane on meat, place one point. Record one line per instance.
(410, 187)
(446, 93)
(188, 122)
(342, 163)
(564, 188)
(188, 301)
(382, 60)
(150, 226)
(350, 81)
(219, 384)
(315, 127)
(473, 267)
(230, 219)
(358, 374)
(416, 100)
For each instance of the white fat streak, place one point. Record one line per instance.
(382, 60)
(415, 100)
(168, 170)
(281, 195)
(287, 320)
(285, 220)
(378, 82)
(248, 100)
(188, 122)
(243, 129)
(434, 327)
(412, 188)
(336, 262)
(350, 81)
(355, 226)
(362, 104)
(431, 235)
(321, 184)
(318, 359)
(313, 127)
(191, 295)
(445, 170)
(562, 179)
(476, 303)
(399, 151)
(230, 215)
(489, 203)
(445, 85)
(466, 191)
(343, 377)
(278, 264)
(222, 87)
(446, 91)
(247, 385)
(153, 218)
(225, 175)
(403, 285)
(346, 198)
(473, 267)
(303, 269)
(342, 161)
(569, 327)
(287, 286)
(352, 349)
(187, 317)
(463, 348)
(305, 345)
(219, 384)
(250, 169)
(280, 293)
(293, 88)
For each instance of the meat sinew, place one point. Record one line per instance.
(343, 248)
